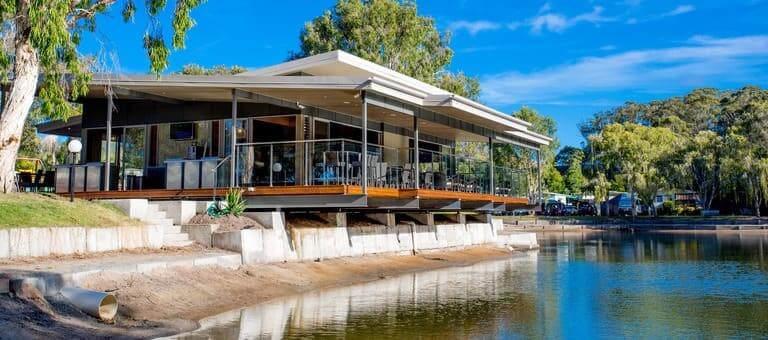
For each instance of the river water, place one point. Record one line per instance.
(593, 285)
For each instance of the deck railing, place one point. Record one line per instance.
(339, 162)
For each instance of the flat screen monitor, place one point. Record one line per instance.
(183, 131)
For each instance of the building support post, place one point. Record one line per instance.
(108, 152)
(364, 173)
(233, 142)
(491, 171)
(538, 175)
(416, 166)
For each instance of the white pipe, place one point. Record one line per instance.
(97, 304)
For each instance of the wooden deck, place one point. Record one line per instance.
(319, 190)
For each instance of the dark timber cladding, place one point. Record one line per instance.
(138, 112)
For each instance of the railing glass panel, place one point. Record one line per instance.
(339, 162)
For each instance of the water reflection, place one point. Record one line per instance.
(596, 285)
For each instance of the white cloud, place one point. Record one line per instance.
(551, 22)
(558, 23)
(473, 27)
(682, 9)
(701, 61)
(679, 10)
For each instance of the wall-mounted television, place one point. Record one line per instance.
(183, 131)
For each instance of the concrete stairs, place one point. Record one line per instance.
(172, 237)
(160, 214)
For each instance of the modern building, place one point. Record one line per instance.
(291, 136)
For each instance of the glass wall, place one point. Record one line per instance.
(179, 145)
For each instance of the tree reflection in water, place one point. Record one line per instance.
(607, 284)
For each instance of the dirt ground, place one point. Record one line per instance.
(171, 301)
(227, 222)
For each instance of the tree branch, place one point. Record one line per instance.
(83, 13)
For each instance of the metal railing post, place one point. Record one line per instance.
(233, 140)
(365, 144)
(271, 161)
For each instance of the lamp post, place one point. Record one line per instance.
(74, 146)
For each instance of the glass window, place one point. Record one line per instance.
(241, 134)
(169, 148)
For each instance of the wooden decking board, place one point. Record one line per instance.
(375, 192)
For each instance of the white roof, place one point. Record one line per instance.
(394, 84)
(330, 81)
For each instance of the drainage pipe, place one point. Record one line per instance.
(97, 304)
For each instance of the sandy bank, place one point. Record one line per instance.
(167, 302)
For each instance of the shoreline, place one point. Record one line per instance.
(169, 302)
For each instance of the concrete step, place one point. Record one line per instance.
(172, 229)
(156, 215)
(159, 221)
(186, 243)
(175, 237)
(152, 209)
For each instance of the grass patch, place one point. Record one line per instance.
(50, 210)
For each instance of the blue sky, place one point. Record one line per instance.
(567, 58)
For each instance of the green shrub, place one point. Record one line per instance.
(667, 208)
(234, 205)
(235, 202)
(692, 211)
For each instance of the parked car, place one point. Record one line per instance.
(570, 211)
(587, 209)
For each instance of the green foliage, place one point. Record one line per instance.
(234, 205)
(23, 210)
(668, 208)
(635, 151)
(235, 202)
(552, 179)
(53, 29)
(197, 70)
(460, 84)
(390, 33)
(599, 187)
(721, 152)
(30, 142)
(574, 178)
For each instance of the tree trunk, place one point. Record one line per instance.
(632, 196)
(26, 70)
(757, 208)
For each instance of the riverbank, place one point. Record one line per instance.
(554, 223)
(171, 301)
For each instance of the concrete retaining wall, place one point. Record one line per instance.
(278, 243)
(30, 242)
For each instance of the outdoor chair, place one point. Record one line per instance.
(25, 181)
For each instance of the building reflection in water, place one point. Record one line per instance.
(474, 300)
(578, 285)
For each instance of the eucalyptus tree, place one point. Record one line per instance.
(701, 162)
(599, 186)
(574, 177)
(43, 57)
(197, 70)
(632, 151)
(747, 164)
(390, 33)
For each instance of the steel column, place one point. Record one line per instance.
(233, 141)
(492, 180)
(365, 144)
(538, 162)
(416, 166)
(108, 153)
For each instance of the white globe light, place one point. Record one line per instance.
(75, 146)
(277, 167)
